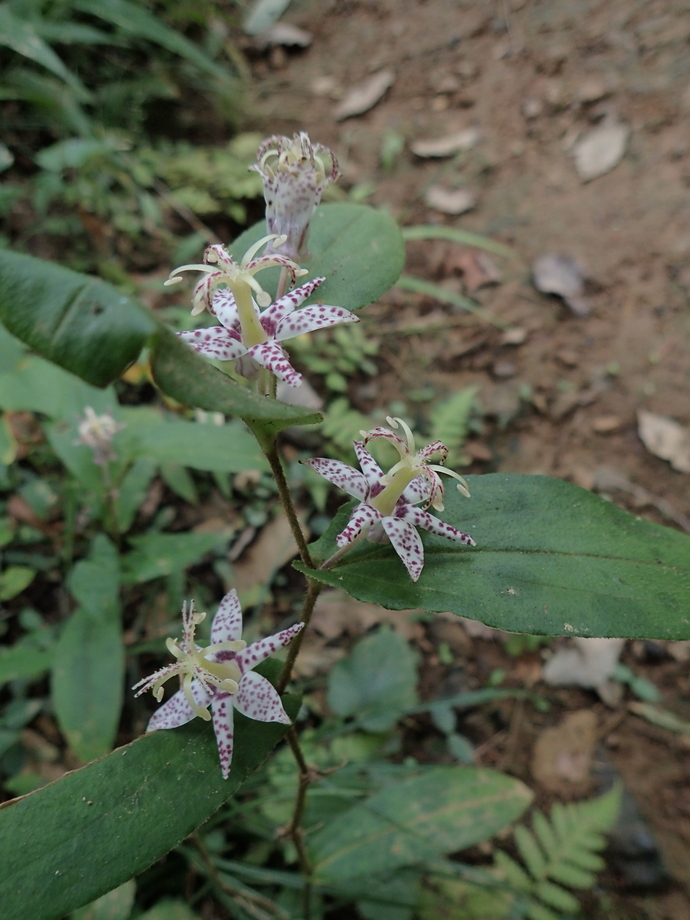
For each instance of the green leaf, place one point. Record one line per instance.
(8, 443)
(444, 295)
(202, 446)
(115, 905)
(183, 374)
(132, 491)
(455, 235)
(376, 683)
(95, 828)
(14, 580)
(156, 555)
(89, 661)
(20, 36)
(78, 322)
(36, 385)
(95, 582)
(438, 811)
(531, 854)
(551, 559)
(135, 20)
(177, 478)
(556, 897)
(359, 250)
(170, 910)
(21, 661)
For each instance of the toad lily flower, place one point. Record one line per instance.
(388, 502)
(258, 346)
(294, 177)
(219, 675)
(97, 432)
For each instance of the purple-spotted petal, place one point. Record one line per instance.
(227, 623)
(214, 342)
(258, 699)
(177, 711)
(423, 519)
(308, 319)
(431, 450)
(363, 516)
(388, 435)
(273, 315)
(372, 471)
(341, 475)
(271, 356)
(225, 308)
(222, 708)
(407, 544)
(419, 490)
(249, 657)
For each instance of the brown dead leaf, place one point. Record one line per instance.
(270, 552)
(336, 614)
(365, 96)
(665, 438)
(562, 756)
(478, 269)
(561, 275)
(26, 431)
(446, 146)
(449, 200)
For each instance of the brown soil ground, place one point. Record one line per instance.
(568, 65)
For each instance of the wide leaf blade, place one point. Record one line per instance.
(359, 250)
(74, 320)
(437, 811)
(70, 842)
(551, 559)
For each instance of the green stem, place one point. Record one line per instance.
(313, 591)
(271, 452)
(294, 828)
(111, 507)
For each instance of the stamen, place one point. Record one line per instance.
(252, 251)
(409, 437)
(187, 268)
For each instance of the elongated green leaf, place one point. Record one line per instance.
(132, 491)
(22, 661)
(456, 235)
(158, 554)
(36, 385)
(89, 661)
(93, 330)
(138, 22)
(81, 836)
(359, 251)
(202, 446)
(551, 559)
(438, 811)
(20, 36)
(376, 682)
(13, 581)
(186, 376)
(431, 289)
(78, 322)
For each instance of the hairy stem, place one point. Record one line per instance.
(294, 828)
(313, 591)
(273, 457)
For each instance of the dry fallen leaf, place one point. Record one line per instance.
(665, 438)
(365, 96)
(563, 276)
(450, 201)
(588, 663)
(336, 613)
(600, 150)
(562, 755)
(446, 146)
(274, 547)
(283, 33)
(478, 269)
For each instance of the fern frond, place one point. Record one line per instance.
(449, 420)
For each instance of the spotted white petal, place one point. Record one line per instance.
(214, 342)
(432, 450)
(227, 623)
(223, 727)
(388, 435)
(421, 518)
(341, 475)
(272, 316)
(407, 544)
(225, 308)
(258, 699)
(249, 657)
(309, 319)
(372, 471)
(419, 490)
(271, 356)
(177, 711)
(363, 517)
